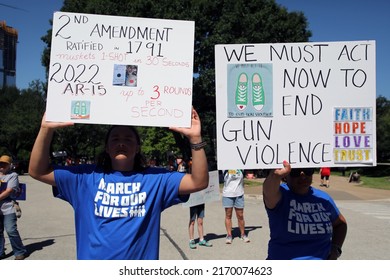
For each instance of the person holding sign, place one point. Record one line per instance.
(304, 222)
(118, 202)
(8, 218)
(233, 196)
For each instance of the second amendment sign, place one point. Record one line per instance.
(120, 70)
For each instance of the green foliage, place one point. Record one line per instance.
(80, 141)
(382, 182)
(383, 129)
(157, 143)
(21, 116)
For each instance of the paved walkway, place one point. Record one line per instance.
(47, 226)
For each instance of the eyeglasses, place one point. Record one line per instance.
(297, 172)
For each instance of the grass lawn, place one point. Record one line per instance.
(367, 182)
(377, 183)
(372, 182)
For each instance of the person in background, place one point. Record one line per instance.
(189, 165)
(181, 164)
(197, 214)
(8, 218)
(324, 175)
(118, 202)
(304, 222)
(233, 197)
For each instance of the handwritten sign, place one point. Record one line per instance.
(312, 104)
(211, 193)
(120, 70)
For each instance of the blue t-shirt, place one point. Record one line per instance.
(117, 215)
(301, 225)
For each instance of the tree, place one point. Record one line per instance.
(216, 22)
(157, 143)
(383, 129)
(21, 112)
(80, 141)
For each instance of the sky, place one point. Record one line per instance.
(331, 20)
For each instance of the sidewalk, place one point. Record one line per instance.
(47, 224)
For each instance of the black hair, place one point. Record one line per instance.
(104, 160)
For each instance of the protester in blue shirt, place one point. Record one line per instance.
(304, 222)
(118, 202)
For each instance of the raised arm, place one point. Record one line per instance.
(40, 167)
(199, 177)
(271, 190)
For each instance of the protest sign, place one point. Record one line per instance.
(211, 193)
(312, 104)
(120, 70)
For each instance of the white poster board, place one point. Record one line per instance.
(211, 193)
(312, 104)
(120, 70)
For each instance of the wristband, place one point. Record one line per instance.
(198, 146)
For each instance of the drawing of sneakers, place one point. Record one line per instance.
(258, 97)
(242, 92)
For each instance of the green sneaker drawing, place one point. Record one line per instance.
(242, 92)
(258, 97)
